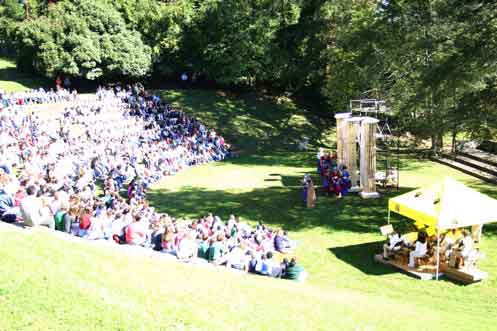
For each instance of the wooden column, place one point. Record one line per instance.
(353, 126)
(368, 157)
(341, 136)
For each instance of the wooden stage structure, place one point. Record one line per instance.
(428, 272)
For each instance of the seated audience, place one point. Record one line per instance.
(293, 271)
(51, 170)
(34, 212)
(136, 232)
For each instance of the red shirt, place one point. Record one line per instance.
(18, 197)
(85, 222)
(135, 232)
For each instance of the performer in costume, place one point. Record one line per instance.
(335, 183)
(345, 182)
(304, 190)
(311, 195)
(326, 180)
(320, 158)
(333, 161)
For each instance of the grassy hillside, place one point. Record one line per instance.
(51, 284)
(12, 80)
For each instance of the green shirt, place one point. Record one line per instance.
(59, 220)
(202, 250)
(214, 252)
(293, 272)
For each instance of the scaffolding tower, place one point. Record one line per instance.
(387, 144)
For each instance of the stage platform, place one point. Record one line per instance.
(420, 273)
(465, 275)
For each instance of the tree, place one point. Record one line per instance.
(440, 55)
(230, 41)
(86, 39)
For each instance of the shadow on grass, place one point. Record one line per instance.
(276, 206)
(283, 206)
(361, 256)
(248, 122)
(27, 80)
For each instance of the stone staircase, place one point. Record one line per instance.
(475, 163)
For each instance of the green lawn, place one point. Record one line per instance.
(12, 80)
(50, 284)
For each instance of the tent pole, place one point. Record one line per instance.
(388, 219)
(438, 250)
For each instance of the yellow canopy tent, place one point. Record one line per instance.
(445, 205)
(421, 205)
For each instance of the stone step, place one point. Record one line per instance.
(475, 163)
(481, 156)
(469, 170)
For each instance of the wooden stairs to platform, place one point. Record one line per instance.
(472, 162)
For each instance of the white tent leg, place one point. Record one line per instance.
(388, 218)
(438, 251)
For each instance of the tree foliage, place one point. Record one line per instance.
(82, 39)
(433, 60)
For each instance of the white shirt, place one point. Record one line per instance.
(467, 245)
(394, 240)
(31, 210)
(421, 248)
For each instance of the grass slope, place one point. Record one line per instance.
(12, 80)
(53, 285)
(49, 284)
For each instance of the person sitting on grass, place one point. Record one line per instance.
(63, 220)
(237, 258)
(279, 242)
(168, 242)
(263, 267)
(136, 232)
(96, 230)
(34, 213)
(187, 247)
(293, 271)
(119, 229)
(6, 204)
(271, 267)
(254, 260)
(203, 246)
(216, 249)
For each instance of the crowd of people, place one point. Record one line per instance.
(70, 172)
(335, 177)
(36, 96)
(457, 248)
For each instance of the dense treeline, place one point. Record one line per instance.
(434, 61)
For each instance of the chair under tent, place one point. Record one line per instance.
(438, 208)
